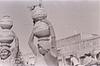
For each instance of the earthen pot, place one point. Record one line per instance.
(39, 13)
(6, 36)
(6, 22)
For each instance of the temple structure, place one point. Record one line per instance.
(77, 45)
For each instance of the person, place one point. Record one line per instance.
(9, 43)
(89, 60)
(98, 58)
(82, 59)
(67, 62)
(74, 60)
(45, 50)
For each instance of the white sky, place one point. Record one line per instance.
(67, 18)
(50, 0)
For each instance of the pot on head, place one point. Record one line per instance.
(39, 13)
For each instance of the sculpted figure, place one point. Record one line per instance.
(45, 49)
(9, 43)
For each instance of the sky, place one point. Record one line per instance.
(68, 17)
(49, 0)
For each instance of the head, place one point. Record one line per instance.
(68, 61)
(6, 22)
(87, 55)
(71, 56)
(82, 59)
(5, 53)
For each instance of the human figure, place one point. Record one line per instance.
(68, 62)
(43, 31)
(82, 60)
(74, 60)
(89, 60)
(9, 43)
(98, 58)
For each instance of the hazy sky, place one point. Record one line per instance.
(67, 18)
